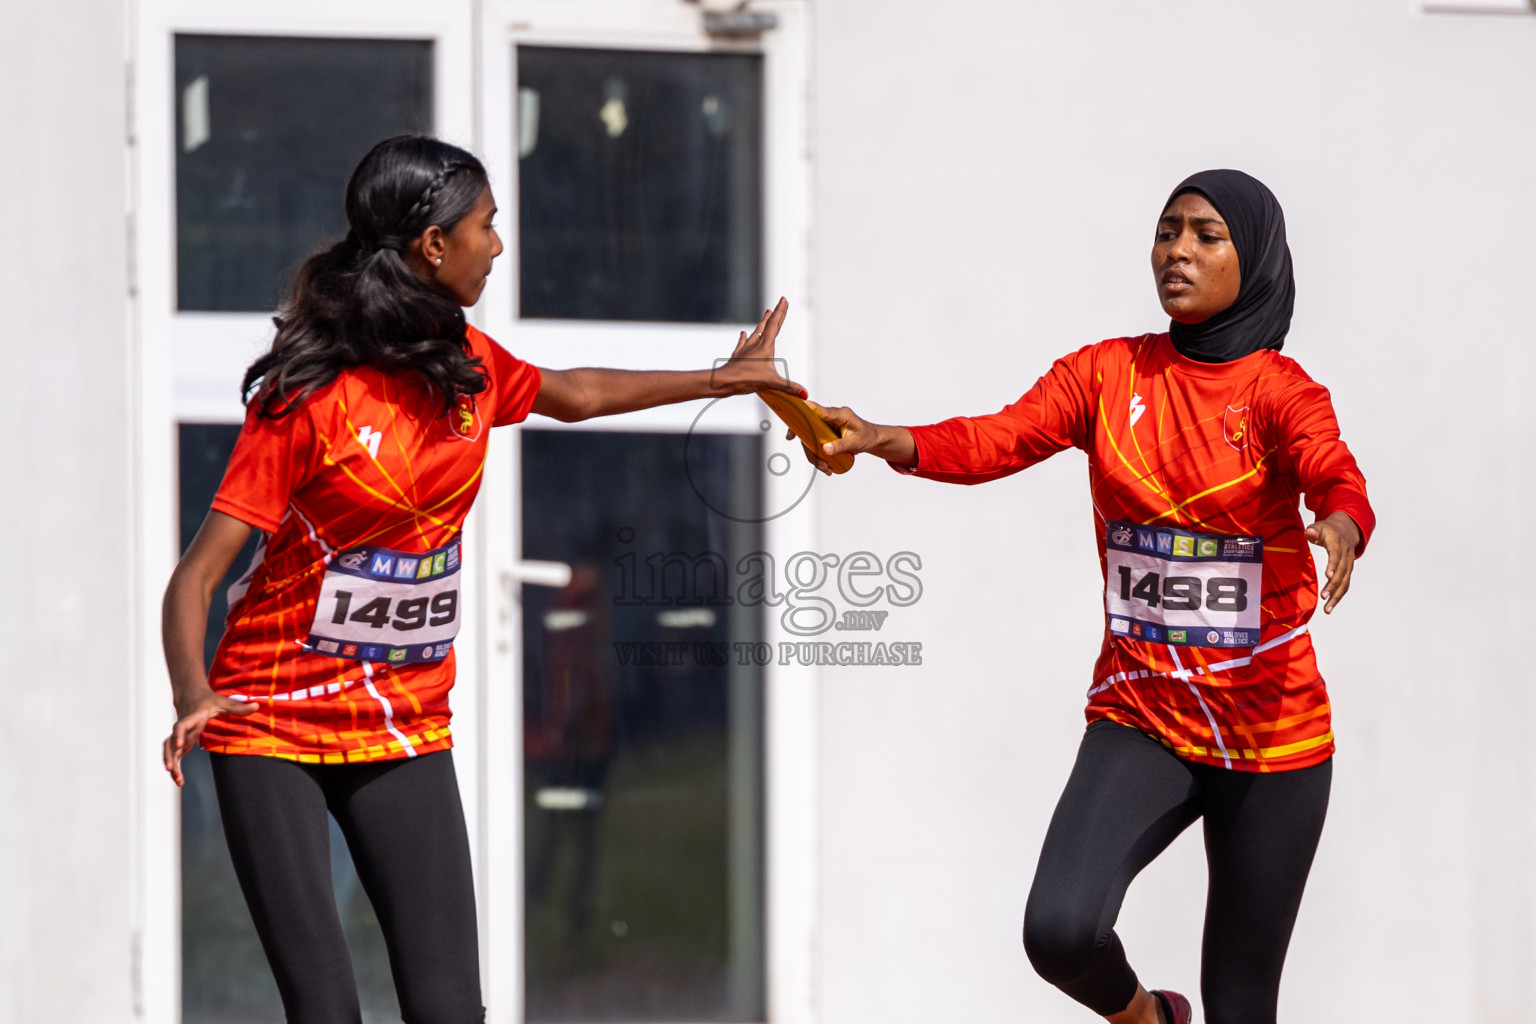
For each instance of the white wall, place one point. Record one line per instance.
(65, 854)
(988, 174)
(988, 178)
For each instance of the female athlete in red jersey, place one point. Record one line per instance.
(1206, 700)
(365, 434)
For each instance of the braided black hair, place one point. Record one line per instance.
(357, 303)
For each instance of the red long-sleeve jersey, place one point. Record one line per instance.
(1195, 471)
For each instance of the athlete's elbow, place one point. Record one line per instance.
(567, 414)
(567, 407)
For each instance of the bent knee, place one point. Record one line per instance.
(1060, 943)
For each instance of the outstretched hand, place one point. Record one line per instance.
(752, 366)
(191, 721)
(893, 444)
(1340, 537)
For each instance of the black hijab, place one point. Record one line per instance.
(1261, 315)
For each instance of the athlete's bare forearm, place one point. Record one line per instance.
(183, 626)
(586, 392)
(184, 612)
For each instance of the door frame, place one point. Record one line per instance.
(790, 746)
(188, 367)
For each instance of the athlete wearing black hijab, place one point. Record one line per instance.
(1261, 315)
(1180, 729)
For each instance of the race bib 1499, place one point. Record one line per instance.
(1172, 586)
(391, 606)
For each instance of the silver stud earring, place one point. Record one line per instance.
(439, 261)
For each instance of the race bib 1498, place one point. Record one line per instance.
(391, 606)
(1172, 586)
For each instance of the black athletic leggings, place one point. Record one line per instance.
(1127, 799)
(405, 827)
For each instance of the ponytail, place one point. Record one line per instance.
(359, 304)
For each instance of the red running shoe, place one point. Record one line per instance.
(1175, 1006)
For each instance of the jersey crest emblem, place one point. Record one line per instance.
(464, 418)
(1136, 408)
(1234, 427)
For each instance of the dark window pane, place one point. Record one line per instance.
(267, 133)
(224, 974)
(643, 804)
(640, 185)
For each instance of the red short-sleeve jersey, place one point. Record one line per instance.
(370, 462)
(1226, 448)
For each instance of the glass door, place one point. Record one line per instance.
(639, 200)
(249, 119)
(244, 222)
(633, 876)
(641, 733)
